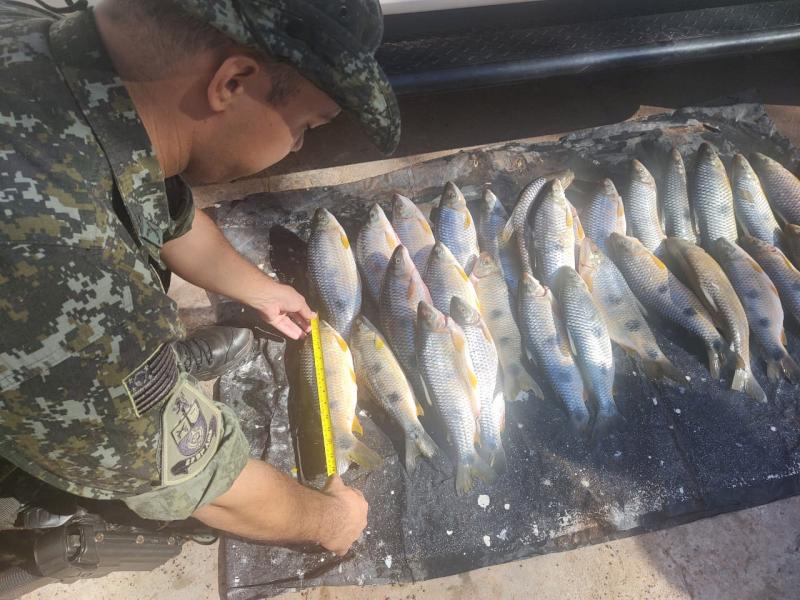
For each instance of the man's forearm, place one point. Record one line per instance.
(205, 258)
(266, 505)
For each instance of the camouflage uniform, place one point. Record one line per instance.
(92, 400)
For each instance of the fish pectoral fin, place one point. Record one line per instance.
(420, 411)
(356, 426)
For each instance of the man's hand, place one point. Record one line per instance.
(283, 308)
(267, 505)
(205, 258)
(347, 516)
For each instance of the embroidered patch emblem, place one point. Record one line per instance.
(152, 382)
(190, 432)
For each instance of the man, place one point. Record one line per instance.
(100, 112)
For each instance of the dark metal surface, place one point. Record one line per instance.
(510, 54)
(685, 452)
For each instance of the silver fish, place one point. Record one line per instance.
(546, 340)
(620, 308)
(708, 281)
(588, 335)
(374, 247)
(379, 374)
(780, 270)
(446, 278)
(712, 198)
(518, 223)
(641, 207)
(660, 291)
(553, 233)
(413, 229)
(334, 279)
(402, 290)
(340, 379)
(453, 387)
(781, 186)
(604, 214)
(453, 226)
(751, 205)
(492, 217)
(675, 209)
(483, 354)
(495, 306)
(763, 306)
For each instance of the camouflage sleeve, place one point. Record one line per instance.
(179, 501)
(181, 207)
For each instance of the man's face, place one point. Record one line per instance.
(257, 129)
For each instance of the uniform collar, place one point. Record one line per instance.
(78, 51)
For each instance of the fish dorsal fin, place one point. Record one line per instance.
(356, 426)
(345, 241)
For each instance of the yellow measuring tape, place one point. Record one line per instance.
(322, 393)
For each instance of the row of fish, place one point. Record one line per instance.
(442, 335)
(459, 302)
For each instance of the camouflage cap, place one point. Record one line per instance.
(330, 42)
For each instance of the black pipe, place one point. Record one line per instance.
(671, 52)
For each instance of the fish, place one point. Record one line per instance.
(491, 220)
(495, 306)
(791, 242)
(779, 269)
(701, 273)
(340, 379)
(445, 278)
(604, 214)
(518, 223)
(453, 226)
(591, 343)
(413, 229)
(712, 198)
(553, 233)
(577, 233)
(374, 247)
(763, 307)
(485, 363)
(752, 208)
(623, 314)
(546, 340)
(452, 385)
(781, 185)
(661, 292)
(401, 292)
(641, 207)
(676, 214)
(333, 274)
(379, 374)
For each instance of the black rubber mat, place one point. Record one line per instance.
(685, 452)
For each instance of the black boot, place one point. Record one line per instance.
(211, 351)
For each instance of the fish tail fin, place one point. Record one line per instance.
(607, 420)
(753, 389)
(520, 381)
(714, 362)
(363, 455)
(785, 366)
(470, 467)
(419, 444)
(497, 460)
(662, 367)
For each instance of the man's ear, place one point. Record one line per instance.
(229, 80)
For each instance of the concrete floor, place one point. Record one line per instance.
(751, 554)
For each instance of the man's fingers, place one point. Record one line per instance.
(287, 327)
(303, 320)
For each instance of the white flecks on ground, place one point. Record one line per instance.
(634, 373)
(773, 428)
(585, 483)
(449, 532)
(506, 506)
(617, 453)
(535, 529)
(519, 425)
(502, 534)
(680, 490)
(388, 561)
(487, 540)
(367, 532)
(677, 411)
(546, 482)
(362, 413)
(688, 378)
(655, 401)
(391, 492)
(483, 501)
